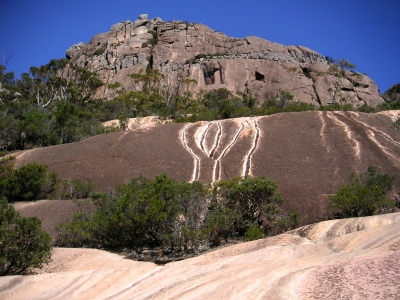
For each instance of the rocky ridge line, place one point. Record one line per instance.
(248, 65)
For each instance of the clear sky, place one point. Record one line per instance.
(366, 32)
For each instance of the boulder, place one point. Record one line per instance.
(143, 17)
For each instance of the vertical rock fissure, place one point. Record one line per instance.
(316, 93)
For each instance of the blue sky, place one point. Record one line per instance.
(366, 32)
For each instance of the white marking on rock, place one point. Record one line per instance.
(223, 152)
(247, 163)
(216, 140)
(376, 130)
(322, 131)
(196, 159)
(349, 134)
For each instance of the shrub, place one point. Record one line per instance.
(99, 51)
(364, 196)
(76, 189)
(366, 109)
(181, 216)
(114, 85)
(254, 200)
(299, 106)
(220, 223)
(5, 169)
(23, 244)
(31, 182)
(336, 106)
(154, 40)
(79, 231)
(142, 213)
(253, 233)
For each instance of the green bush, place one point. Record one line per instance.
(255, 200)
(364, 196)
(76, 189)
(154, 40)
(179, 215)
(337, 106)
(142, 213)
(114, 85)
(220, 224)
(253, 233)
(366, 109)
(99, 51)
(5, 169)
(31, 182)
(23, 244)
(299, 106)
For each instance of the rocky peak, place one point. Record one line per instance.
(249, 65)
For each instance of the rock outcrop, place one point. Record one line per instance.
(339, 259)
(308, 154)
(248, 65)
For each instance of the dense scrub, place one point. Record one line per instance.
(179, 216)
(45, 108)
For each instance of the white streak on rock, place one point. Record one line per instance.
(218, 160)
(247, 159)
(322, 131)
(196, 159)
(347, 130)
(376, 130)
(371, 136)
(216, 140)
(199, 136)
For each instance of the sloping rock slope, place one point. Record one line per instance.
(248, 65)
(338, 259)
(308, 154)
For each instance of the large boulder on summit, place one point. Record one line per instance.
(250, 65)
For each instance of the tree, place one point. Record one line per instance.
(220, 223)
(23, 244)
(60, 80)
(284, 99)
(255, 202)
(364, 196)
(338, 71)
(155, 93)
(392, 96)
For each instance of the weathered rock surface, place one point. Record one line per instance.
(339, 259)
(308, 154)
(247, 65)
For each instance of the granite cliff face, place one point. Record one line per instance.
(248, 65)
